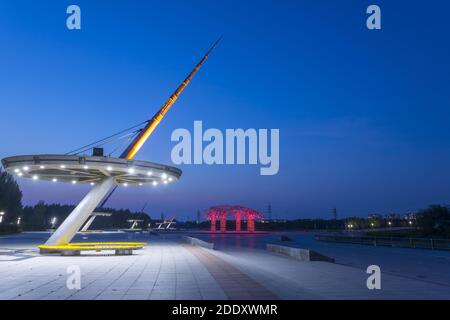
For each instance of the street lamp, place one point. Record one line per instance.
(2, 213)
(53, 222)
(18, 220)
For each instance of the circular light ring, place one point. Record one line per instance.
(89, 169)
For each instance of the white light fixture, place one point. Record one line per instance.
(20, 174)
(154, 183)
(54, 180)
(140, 183)
(74, 181)
(42, 167)
(109, 168)
(16, 170)
(25, 168)
(170, 179)
(131, 170)
(92, 183)
(62, 166)
(85, 167)
(149, 173)
(35, 177)
(165, 181)
(164, 176)
(125, 184)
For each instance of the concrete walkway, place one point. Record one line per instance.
(236, 284)
(168, 269)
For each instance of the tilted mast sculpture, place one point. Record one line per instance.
(139, 141)
(102, 172)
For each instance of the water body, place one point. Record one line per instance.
(424, 265)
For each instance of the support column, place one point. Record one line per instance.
(67, 230)
(238, 222)
(223, 223)
(251, 224)
(88, 223)
(213, 223)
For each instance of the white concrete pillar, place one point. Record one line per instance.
(67, 230)
(88, 223)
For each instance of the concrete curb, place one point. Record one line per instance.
(298, 253)
(197, 242)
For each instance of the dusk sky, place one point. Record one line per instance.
(363, 114)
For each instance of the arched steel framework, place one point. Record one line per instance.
(238, 212)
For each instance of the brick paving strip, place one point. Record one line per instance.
(236, 284)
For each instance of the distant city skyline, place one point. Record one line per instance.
(362, 114)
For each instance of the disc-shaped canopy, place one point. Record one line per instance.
(89, 169)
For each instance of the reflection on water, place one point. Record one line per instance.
(428, 265)
(247, 240)
(220, 240)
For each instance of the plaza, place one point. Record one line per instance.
(169, 269)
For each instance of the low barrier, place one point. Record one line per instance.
(197, 242)
(415, 243)
(298, 253)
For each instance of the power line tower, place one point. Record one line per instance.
(334, 214)
(269, 212)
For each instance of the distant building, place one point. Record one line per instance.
(393, 216)
(410, 216)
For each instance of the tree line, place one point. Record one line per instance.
(432, 221)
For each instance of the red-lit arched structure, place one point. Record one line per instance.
(238, 212)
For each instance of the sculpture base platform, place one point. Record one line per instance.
(75, 248)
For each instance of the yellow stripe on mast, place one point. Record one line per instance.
(139, 141)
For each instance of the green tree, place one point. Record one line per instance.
(435, 220)
(10, 197)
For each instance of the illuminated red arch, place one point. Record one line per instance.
(238, 212)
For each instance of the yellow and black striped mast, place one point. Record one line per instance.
(140, 139)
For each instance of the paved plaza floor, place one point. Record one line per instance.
(169, 269)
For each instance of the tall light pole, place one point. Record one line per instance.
(2, 213)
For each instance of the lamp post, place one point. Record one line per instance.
(53, 222)
(2, 213)
(18, 221)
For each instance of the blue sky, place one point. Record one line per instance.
(363, 115)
